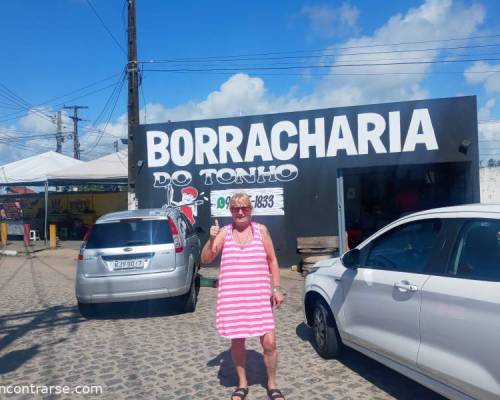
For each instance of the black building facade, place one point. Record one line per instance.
(318, 172)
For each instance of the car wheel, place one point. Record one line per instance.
(326, 337)
(87, 310)
(190, 298)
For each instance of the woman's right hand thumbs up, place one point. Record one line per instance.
(214, 230)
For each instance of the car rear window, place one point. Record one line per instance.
(129, 233)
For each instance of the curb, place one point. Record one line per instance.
(11, 253)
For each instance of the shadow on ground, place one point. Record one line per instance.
(15, 326)
(376, 373)
(256, 369)
(139, 309)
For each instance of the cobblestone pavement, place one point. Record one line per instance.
(152, 351)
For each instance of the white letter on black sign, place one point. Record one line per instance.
(205, 148)
(162, 179)
(394, 132)
(226, 176)
(157, 143)
(175, 147)
(243, 174)
(427, 137)
(208, 173)
(366, 135)
(337, 142)
(291, 130)
(316, 140)
(257, 144)
(181, 178)
(262, 173)
(227, 146)
(287, 172)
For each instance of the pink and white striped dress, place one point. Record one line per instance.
(244, 290)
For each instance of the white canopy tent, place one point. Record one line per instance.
(34, 171)
(56, 169)
(110, 169)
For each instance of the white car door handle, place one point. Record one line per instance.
(405, 286)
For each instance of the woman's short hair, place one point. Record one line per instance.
(241, 197)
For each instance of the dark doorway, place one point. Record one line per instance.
(376, 196)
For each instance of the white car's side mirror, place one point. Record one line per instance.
(351, 258)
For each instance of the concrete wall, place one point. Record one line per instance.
(489, 178)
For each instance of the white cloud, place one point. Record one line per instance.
(485, 111)
(489, 136)
(329, 21)
(242, 94)
(245, 95)
(489, 132)
(433, 20)
(491, 81)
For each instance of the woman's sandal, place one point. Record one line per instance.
(275, 394)
(240, 392)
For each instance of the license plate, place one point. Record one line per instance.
(128, 264)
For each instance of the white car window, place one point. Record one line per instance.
(406, 248)
(477, 253)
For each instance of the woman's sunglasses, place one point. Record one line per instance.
(236, 210)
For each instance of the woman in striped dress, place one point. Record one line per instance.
(249, 288)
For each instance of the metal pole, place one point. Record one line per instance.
(75, 118)
(133, 100)
(46, 209)
(59, 138)
(340, 211)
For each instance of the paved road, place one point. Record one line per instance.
(152, 351)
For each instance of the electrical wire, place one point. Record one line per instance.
(105, 27)
(103, 131)
(325, 55)
(344, 48)
(375, 64)
(19, 100)
(16, 115)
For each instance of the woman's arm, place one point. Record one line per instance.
(214, 245)
(278, 294)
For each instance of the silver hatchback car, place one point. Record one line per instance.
(138, 255)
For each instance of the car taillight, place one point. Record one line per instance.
(87, 234)
(175, 235)
(84, 243)
(82, 248)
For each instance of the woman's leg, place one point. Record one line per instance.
(268, 342)
(238, 353)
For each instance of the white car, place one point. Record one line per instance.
(422, 296)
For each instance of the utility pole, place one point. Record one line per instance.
(115, 146)
(59, 136)
(133, 102)
(75, 118)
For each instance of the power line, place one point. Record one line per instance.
(105, 27)
(358, 61)
(112, 94)
(370, 61)
(16, 114)
(376, 64)
(352, 47)
(325, 55)
(20, 101)
(116, 94)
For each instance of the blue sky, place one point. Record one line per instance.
(53, 48)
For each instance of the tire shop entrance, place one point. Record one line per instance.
(376, 196)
